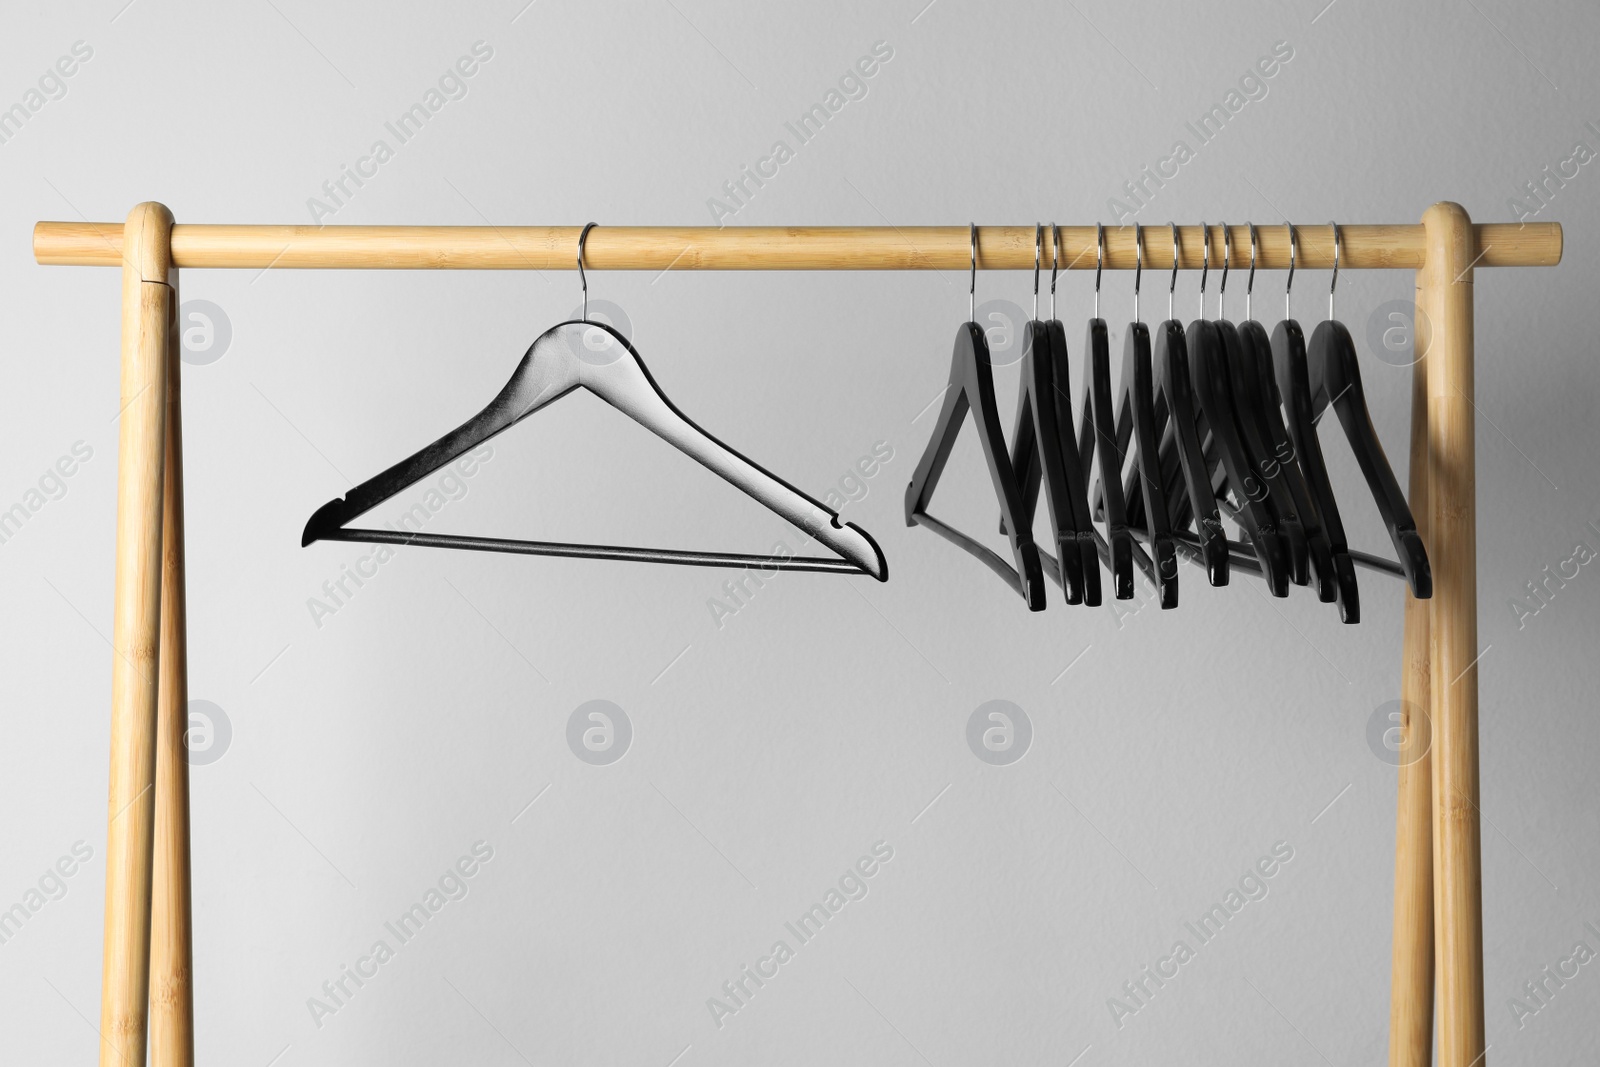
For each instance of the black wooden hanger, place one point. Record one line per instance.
(1294, 387)
(1091, 546)
(1181, 455)
(1266, 471)
(1256, 394)
(1044, 454)
(1335, 378)
(558, 362)
(1227, 452)
(971, 389)
(1135, 423)
(1097, 438)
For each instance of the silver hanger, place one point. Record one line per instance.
(1294, 254)
(1138, 266)
(1227, 262)
(1172, 286)
(1333, 281)
(1250, 282)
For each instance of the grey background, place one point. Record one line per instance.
(1169, 750)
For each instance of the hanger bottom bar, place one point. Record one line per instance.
(1243, 556)
(562, 548)
(984, 554)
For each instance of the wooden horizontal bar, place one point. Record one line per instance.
(661, 248)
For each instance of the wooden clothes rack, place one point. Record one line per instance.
(147, 982)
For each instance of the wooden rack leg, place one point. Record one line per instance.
(171, 953)
(1411, 976)
(1452, 551)
(135, 634)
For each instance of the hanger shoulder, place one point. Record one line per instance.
(1292, 376)
(1213, 395)
(1174, 387)
(971, 392)
(985, 412)
(1038, 440)
(1097, 440)
(930, 468)
(510, 406)
(1072, 467)
(1335, 376)
(1257, 350)
(1266, 467)
(1122, 432)
(1025, 466)
(626, 383)
(1138, 388)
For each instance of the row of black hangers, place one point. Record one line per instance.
(1210, 423)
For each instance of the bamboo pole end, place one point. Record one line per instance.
(147, 242)
(1560, 240)
(1451, 243)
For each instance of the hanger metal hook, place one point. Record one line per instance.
(1172, 286)
(1099, 263)
(1205, 263)
(1227, 262)
(1138, 266)
(1294, 254)
(582, 278)
(1333, 281)
(1055, 264)
(1038, 250)
(972, 278)
(1250, 282)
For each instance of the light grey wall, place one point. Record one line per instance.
(369, 749)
